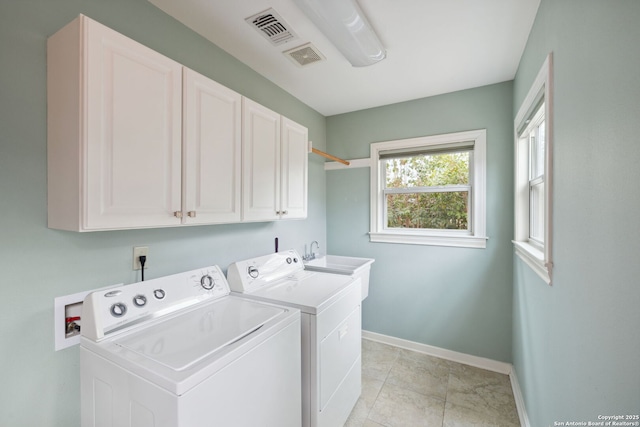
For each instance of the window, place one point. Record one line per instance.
(430, 190)
(533, 137)
(427, 190)
(533, 176)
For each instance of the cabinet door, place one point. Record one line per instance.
(293, 178)
(260, 162)
(211, 151)
(133, 133)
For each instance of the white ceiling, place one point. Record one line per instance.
(433, 47)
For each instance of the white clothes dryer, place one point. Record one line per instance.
(180, 351)
(331, 329)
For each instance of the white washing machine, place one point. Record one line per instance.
(180, 351)
(331, 329)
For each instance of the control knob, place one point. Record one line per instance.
(139, 300)
(118, 309)
(207, 282)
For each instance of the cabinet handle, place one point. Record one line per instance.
(192, 214)
(285, 212)
(177, 214)
(278, 212)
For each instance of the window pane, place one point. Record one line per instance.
(537, 147)
(428, 170)
(443, 211)
(540, 150)
(536, 212)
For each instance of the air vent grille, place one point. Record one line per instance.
(272, 27)
(306, 54)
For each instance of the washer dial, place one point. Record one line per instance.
(207, 282)
(140, 300)
(118, 309)
(253, 271)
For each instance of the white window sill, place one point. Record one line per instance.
(459, 241)
(534, 258)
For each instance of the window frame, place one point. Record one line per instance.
(536, 254)
(475, 237)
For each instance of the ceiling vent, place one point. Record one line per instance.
(272, 27)
(304, 55)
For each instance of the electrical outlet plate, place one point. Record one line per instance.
(137, 252)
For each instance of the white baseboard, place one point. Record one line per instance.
(517, 395)
(454, 356)
(466, 359)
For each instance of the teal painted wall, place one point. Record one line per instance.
(453, 298)
(40, 387)
(576, 345)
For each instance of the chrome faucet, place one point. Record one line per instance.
(311, 255)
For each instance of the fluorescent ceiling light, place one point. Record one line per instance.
(345, 25)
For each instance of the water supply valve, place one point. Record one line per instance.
(71, 325)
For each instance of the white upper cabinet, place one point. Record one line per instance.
(114, 131)
(274, 152)
(294, 154)
(212, 151)
(136, 140)
(260, 162)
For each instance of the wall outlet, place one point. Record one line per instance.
(137, 252)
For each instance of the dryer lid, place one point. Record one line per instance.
(309, 291)
(183, 341)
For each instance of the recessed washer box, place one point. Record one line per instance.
(68, 306)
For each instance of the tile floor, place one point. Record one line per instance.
(407, 388)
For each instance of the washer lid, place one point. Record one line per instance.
(182, 341)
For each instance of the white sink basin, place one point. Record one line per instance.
(350, 266)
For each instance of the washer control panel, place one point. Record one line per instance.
(111, 310)
(252, 274)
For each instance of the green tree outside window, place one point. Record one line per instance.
(432, 197)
